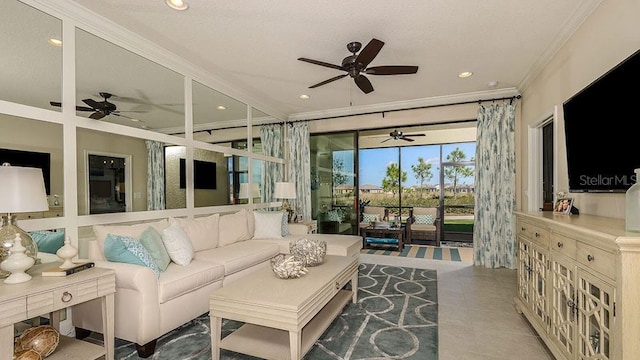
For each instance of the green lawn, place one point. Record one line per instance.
(459, 225)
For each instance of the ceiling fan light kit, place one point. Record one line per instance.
(356, 66)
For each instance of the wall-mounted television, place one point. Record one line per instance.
(204, 174)
(603, 148)
(29, 159)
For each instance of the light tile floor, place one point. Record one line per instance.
(477, 319)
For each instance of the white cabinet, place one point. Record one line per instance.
(577, 284)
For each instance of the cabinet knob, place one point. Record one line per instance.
(590, 258)
(337, 285)
(537, 234)
(560, 244)
(522, 229)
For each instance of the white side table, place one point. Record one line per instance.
(47, 295)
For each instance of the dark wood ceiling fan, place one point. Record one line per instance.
(356, 65)
(399, 135)
(100, 109)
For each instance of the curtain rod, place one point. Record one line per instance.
(511, 98)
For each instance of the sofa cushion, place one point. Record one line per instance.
(267, 224)
(239, 256)
(233, 228)
(177, 244)
(133, 231)
(152, 241)
(202, 231)
(124, 249)
(178, 280)
(426, 219)
(368, 218)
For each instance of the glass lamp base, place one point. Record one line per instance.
(8, 232)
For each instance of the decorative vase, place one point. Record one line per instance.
(66, 253)
(287, 267)
(8, 233)
(17, 263)
(310, 252)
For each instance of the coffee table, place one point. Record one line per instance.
(384, 232)
(283, 317)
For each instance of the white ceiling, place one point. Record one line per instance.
(253, 45)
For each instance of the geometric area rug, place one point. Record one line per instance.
(396, 317)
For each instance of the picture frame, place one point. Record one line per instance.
(563, 206)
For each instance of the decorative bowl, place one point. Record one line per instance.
(310, 252)
(42, 339)
(287, 267)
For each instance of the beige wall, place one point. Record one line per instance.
(607, 37)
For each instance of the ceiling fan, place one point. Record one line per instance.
(399, 135)
(356, 65)
(100, 109)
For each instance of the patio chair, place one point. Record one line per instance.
(373, 213)
(423, 226)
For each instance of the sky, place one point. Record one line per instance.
(374, 162)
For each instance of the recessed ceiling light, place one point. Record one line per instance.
(55, 42)
(304, 97)
(465, 74)
(134, 120)
(177, 4)
(492, 84)
(221, 107)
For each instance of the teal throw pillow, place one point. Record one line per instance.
(124, 249)
(152, 241)
(48, 241)
(424, 219)
(370, 217)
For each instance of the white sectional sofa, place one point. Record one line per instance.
(224, 248)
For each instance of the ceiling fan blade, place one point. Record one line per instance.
(415, 135)
(385, 140)
(78, 108)
(96, 115)
(321, 63)
(328, 81)
(55, 103)
(392, 70)
(369, 52)
(406, 138)
(96, 105)
(363, 83)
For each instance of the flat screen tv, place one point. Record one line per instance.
(29, 159)
(603, 148)
(204, 174)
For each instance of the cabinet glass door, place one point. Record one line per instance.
(595, 317)
(539, 283)
(524, 270)
(563, 306)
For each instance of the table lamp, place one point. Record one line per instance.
(21, 190)
(285, 191)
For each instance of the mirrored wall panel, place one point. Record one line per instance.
(118, 173)
(217, 118)
(118, 86)
(210, 181)
(31, 59)
(34, 143)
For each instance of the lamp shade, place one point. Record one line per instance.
(244, 190)
(284, 190)
(22, 190)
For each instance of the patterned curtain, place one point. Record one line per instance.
(271, 138)
(155, 175)
(494, 239)
(300, 168)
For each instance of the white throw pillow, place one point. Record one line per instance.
(233, 228)
(267, 224)
(177, 244)
(202, 231)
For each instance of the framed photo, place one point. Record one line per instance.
(563, 206)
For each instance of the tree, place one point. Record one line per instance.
(422, 172)
(453, 173)
(394, 178)
(339, 176)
